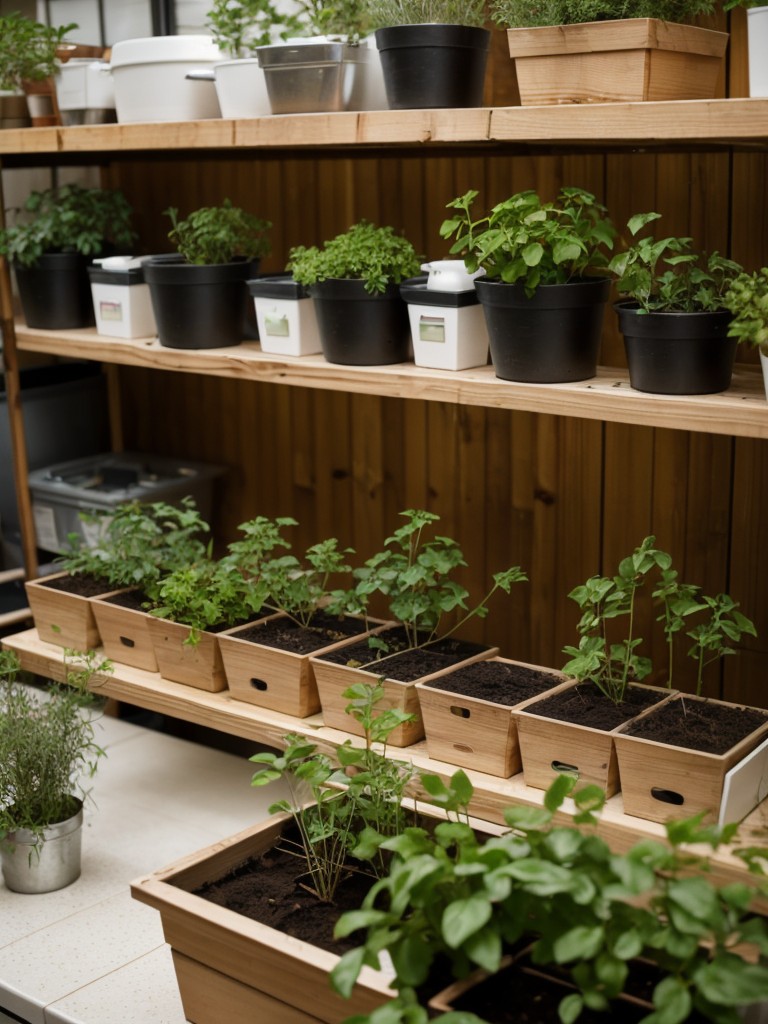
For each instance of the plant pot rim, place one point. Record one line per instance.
(52, 830)
(429, 685)
(521, 711)
(637, 33)
(432, 34)
(632, 308)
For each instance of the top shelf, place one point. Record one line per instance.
(709, 123)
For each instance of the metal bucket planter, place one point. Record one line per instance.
(317, 77)
(35, 866)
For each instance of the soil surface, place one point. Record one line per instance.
(497, 681)
(698, 725)
(290, 636)
(586, 705)
(133, 599)
(82, 584)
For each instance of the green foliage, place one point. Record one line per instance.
(69, 218)
(375, 254)
(747, 299)
(47, 743)
(524, 239)
(238, 27)
(219, 234)
(384, 13)
(521, 13)
(28, 50)
(693, 282)
(352, 810)
(714, 638)
(454, 896)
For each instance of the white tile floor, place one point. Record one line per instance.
(89, 954)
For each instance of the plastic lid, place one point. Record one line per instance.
(162, 49)
(119, 262)
(415, 290)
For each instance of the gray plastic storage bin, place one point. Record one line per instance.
(61, 492)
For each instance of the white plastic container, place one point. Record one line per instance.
(286, 317)
(150, 78)
(450, 276)
(121, 299)
(242, 88)
(757, 45)
(447, 328)
(85, 92)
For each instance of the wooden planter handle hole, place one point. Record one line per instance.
(460, 712)
(667, 796)
(565, 769)
(259, 684)
(127, 642)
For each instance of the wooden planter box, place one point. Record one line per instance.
(64, 619)
(197, 665)
(472, 732)
(625, 60)
(125, 634)
(660, 781)
(233, 969)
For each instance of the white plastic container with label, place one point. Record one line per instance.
(286, 317)
(447, 328)
(121, 299)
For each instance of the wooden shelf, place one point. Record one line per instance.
(741, 411)
(220, 711)
(710, 123)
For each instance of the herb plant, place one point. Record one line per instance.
(520, 14)
(715, 636)
(69, 218)
(524, 239)
(238, 27)
(692, 282)
(347, 18)
(28, 50)
(219, 234)
(747, 299)
(375, 254)
(47, 743)
(384, 13)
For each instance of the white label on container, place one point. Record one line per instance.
(277, 326)
(111, 311)
(45, 527)
(432, 328)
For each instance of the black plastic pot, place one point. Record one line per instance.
(358, 328)
(56, 293)
(433, 65)
(552, 337)
(200, 306)
(677, 353)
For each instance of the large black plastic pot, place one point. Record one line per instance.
(358, 328)
(552, 337)
(677, 353)
(200, 306)
(433, 65)
(56, 293)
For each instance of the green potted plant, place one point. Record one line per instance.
(673, 314)
(47, 749)
(747, 301)
(597, 51)
(353, 280)
(433, 52)
(199, 294)
(543, 303)
(56, 234)
(28, 62)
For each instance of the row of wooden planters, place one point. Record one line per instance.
(657, 781)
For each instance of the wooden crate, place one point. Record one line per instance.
(64, 619)
(125, 634)
(197, 665)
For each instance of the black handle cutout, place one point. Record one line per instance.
(565, 769)
(460, 712)
(667, 796)
(259, 684)
(127, 642)
(464, 748)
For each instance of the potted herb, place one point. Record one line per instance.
(747, 301)
(47, 749)
(543, 305)
(353, 280)
(57, 232)
(28, 62)
(673, 314)
(199, 295)
(597, 51)
(433, 52)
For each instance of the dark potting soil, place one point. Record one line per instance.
(586, 705)
(82, 584)
(290, 636)
(133, 599)
(698, 725)
(497, 681)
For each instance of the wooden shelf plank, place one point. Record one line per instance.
(220, 711)
(719, 122)
(740, 411)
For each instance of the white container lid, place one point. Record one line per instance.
(165, 49)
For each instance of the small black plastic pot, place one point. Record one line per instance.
(358, 328)
(56, 293)
(677, 353)
(552, 337)
(433, 65)
(197, 306)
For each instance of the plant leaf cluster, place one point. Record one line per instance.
(522, 14)
(686, 282)
(466, 899)
(747, 299)
(239, 27)
(47, 743)
(385, 13)
(69, 218)
(374, 254)
(28, 50)
(219, 234)
(536, 243)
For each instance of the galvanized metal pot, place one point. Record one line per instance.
(31, 866)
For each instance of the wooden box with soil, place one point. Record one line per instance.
(267, 663)
(124, 629)
(572, 731)
(468, 712)
(62, 609)
(195, 663)
(400, 671)
(673, 760)
(231, 967)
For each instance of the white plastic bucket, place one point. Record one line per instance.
(757, 41)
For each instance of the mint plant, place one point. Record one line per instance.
(747, 299)
(28, 50)
(536, 243)
(714, 638)
(239, 27)
(219, 234)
